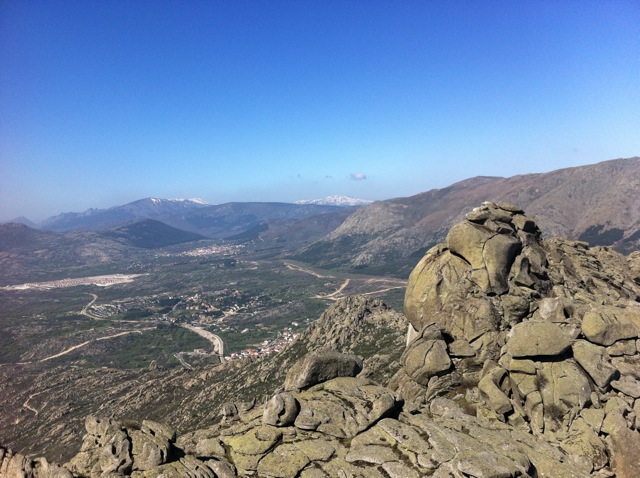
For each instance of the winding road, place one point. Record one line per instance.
(87, 342)
(218, 343)
(85, 309)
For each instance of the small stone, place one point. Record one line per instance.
(622, 347)
(628, 386)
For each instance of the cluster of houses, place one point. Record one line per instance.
(218, 250)
(267, 347)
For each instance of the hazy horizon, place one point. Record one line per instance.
(108, 102)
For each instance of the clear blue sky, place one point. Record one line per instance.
(104, 102)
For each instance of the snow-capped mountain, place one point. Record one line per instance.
(343, 201)
(193, 215)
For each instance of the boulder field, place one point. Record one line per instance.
(522, 360)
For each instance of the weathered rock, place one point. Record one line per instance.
(625, 445)
(627, 385)
(257, 441)
(16, 465)
(595, 361)
(622, 347)
(318, 367)
(606, 325)
(318, 449)
(374, 454)
(530, 339)
(343, 407)
(582, 440)
(629, 366)
(566, 389)
(426, 358)
(286, 461)
(496, 398)
(187, 466)
(105, 449)
(148, 451)
(461, 348)
(490, 248)
(281, 410)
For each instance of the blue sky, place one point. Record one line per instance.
(104, 102)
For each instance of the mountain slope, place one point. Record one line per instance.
(236, 217)
(599, 203)
(520, 361)
(28, 254)
(150, 234)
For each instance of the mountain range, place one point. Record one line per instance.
(598, 204)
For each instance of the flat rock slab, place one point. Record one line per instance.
(531, 339)
(610, 324)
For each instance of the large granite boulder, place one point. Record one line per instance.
(318, 367)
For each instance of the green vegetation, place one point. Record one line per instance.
(597, 236)
(10, 349)
(137, 350)
(226, 294)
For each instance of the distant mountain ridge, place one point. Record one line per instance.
(21, 220)
(598, 203)
(97, 219)
(192, 215)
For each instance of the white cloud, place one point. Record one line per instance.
(358, 176)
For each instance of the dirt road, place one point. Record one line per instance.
(75, 347)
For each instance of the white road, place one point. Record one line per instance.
(216, 341)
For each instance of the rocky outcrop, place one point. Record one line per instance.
(16, 465)
(542, 335)
(522, 360)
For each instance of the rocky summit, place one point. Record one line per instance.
(522, 360)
